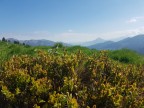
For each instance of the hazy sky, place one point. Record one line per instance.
(71, 20)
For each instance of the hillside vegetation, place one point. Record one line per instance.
(70, 77)
(8, 49)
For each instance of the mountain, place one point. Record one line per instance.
(41, 42)
(89, 43)
(12, 40)
(98, 40)
(100, 46)
(135, 43)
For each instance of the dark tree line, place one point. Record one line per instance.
(15, 41)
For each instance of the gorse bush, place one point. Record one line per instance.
(70, 81)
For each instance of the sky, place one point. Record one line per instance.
(71, 20)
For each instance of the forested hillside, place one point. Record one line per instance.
(69, 77)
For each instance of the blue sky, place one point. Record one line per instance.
(71, 20)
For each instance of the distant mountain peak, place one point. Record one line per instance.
(88, 43)
(99, 38)
(135, 43)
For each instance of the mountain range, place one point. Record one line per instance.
(89, 43)
(41, 42)
(135, 43)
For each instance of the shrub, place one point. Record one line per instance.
(72, 81)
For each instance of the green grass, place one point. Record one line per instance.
(75, 49)
(126, 56)
(7, 50)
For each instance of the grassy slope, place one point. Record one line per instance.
(125, 56)
(8, 49)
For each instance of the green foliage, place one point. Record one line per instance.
(126, 56)
(87, 51)
(7, 50)
(3, 39)
(58, 45)
(75, 80)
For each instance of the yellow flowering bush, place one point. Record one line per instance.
(49, 80)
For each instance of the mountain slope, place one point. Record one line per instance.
(101, 45)
(89, 43)
(135, 43)
(39, 42)
(98, 40)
